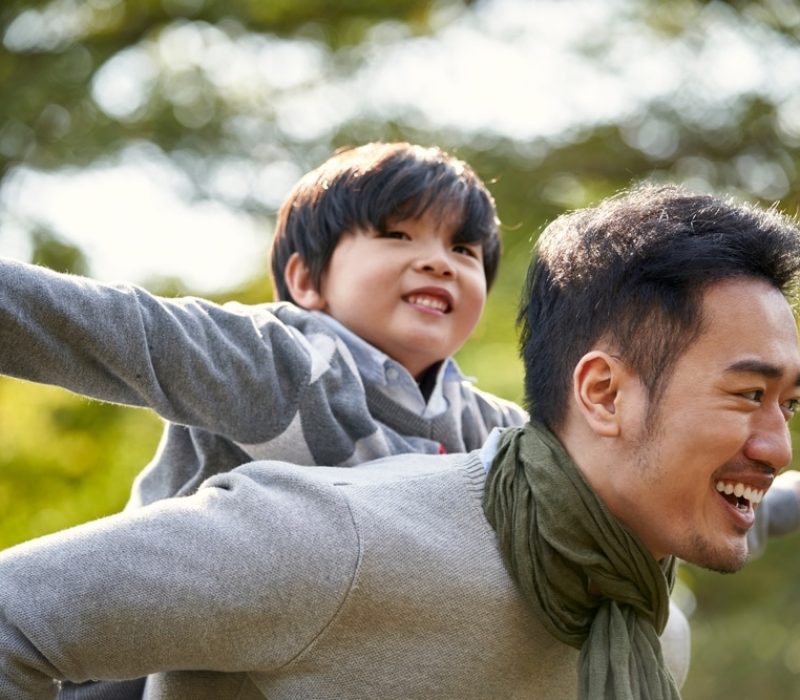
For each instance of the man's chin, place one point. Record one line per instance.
(722, 559)
(723, 567)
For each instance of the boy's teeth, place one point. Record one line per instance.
(739, 490)
(430, 302)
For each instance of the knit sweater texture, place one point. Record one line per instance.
(382, 580)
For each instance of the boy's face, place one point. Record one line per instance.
(411, 292)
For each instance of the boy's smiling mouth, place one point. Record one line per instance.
(438, 300)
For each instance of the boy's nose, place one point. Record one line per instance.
(435, 262)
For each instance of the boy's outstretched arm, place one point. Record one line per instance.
(193, 362)
(241, 575)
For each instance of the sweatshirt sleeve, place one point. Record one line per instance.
(191, 361)
(241, 576)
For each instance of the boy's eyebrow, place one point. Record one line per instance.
(765, 369)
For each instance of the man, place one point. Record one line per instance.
(661, 368)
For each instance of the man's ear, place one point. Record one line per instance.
(300, 284)
(595, 384)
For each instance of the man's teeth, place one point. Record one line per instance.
(739, 490)
(430, 302)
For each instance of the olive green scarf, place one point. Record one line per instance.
(556, 537)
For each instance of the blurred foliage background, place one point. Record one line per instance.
(163, 134)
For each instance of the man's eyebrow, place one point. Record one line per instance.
(765, 369)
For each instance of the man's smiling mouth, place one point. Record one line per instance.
(740, 495)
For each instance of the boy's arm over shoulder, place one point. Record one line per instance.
(193, 362)
(241, 576)
(778, 513)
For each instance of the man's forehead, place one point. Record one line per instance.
(750, 326)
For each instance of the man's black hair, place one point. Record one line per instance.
(373, 185)
(631, 272)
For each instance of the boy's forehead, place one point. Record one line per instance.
(443, 213)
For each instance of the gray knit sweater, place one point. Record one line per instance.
(235, 383)
(378, 581)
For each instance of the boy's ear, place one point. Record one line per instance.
(596, 385)
(300, 284)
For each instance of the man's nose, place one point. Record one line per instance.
(770, 442)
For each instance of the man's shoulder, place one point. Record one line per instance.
(314, 499)
(386, 471)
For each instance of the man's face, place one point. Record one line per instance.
(719, 433)
(412, 292)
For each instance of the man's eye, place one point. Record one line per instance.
(792, 406)
(755, 395)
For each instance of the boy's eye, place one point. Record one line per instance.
(471, 251)
(397, 235)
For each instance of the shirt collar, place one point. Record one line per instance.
(489, 450)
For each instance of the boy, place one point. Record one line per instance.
(386, 252)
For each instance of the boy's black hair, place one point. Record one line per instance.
(632, 271)
(371, 184)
